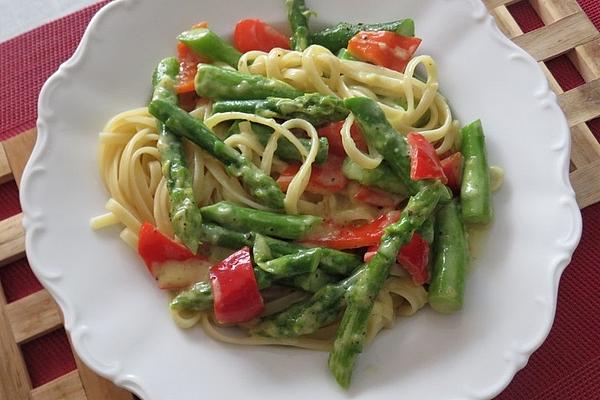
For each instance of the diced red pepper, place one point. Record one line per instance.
(333, 134)
(353, 237)
(424, 161)
(154, 247)
(414, 257)
(170, 263)
(255, 34)
(235, 290)
(324, 179)
(370, 253)
(387, 49)
(452, 167)
(376, 197)
(188, 100)
(188, 65)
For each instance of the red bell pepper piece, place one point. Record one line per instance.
(414, 257)
(387, 49)
(376, 197)
(188, 65)
(353, 237)
(324, 179)
(172, 264)
(452, 167)
(255, 34)
(188, 100)
(424, 161)
(370, 253)
(154, 247)
(333, 134)
(235, 290)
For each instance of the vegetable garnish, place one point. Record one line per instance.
(324, 179)
(255, 34)
(376, 197)
(387, 49)
(235, 291)
(453, 167)
(188, 65)
(425, 163)
(170, 263)
(413, 256)
(333, 134)
(353, 237)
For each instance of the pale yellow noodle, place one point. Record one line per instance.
(103, 221)
(130, 238)
(125, 216)
(399, 296)
(300, 180)
(363, 160)
(282, 303)
(184, 321)
(161, 209)
(496, 177)
(317, 69)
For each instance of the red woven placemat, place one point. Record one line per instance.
(567, 366)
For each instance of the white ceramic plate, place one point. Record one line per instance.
(118, 319)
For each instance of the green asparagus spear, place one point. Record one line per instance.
(184, 213)
(332, 261)
(226, 84)
(298, 17)
(451, 257)
(308, 316)
(197, 298)
(312, 107)
(381, 177)
(351, 333)
(285, 149)
(163, 80)
(310, 282)
(261, 251)
(336, 37)
(379, 133)
(299, 263)
(216, 235)
(205, 42)
(326, 304)
(475, 191)
(260, 185)
(248, 219)
(427, 230)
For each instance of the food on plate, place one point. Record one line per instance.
(307, 190)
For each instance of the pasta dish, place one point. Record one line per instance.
(302, 191)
